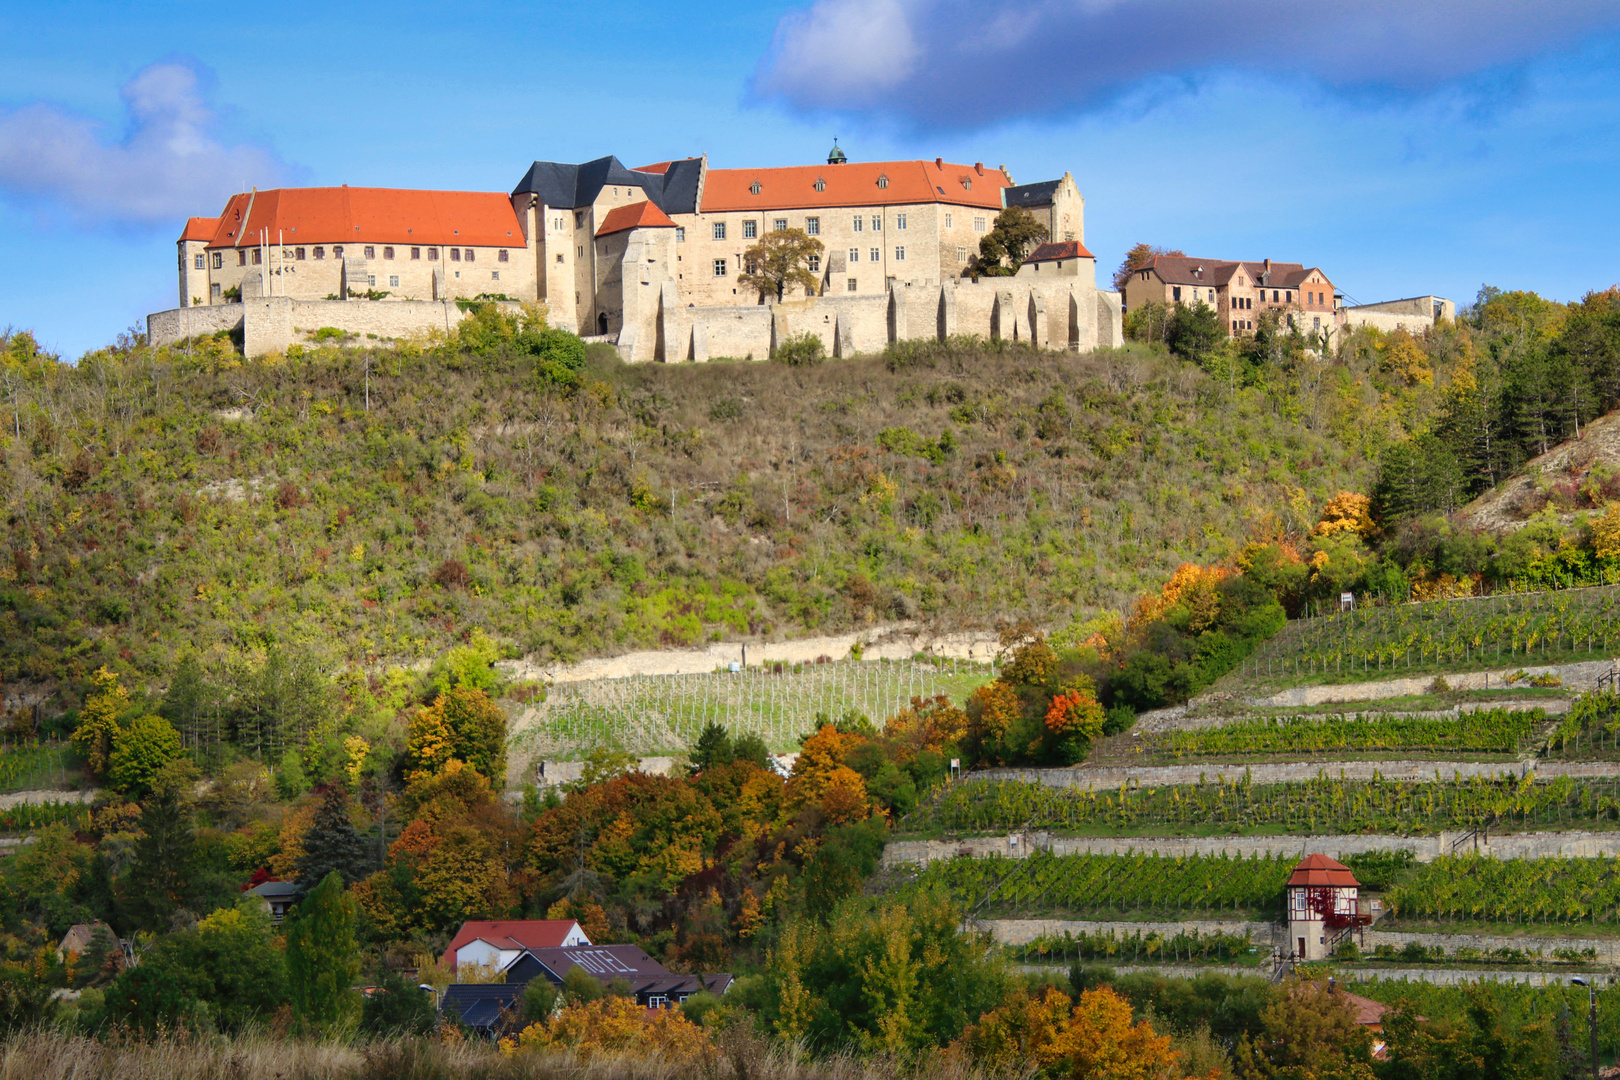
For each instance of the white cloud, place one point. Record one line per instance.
(955, 63)
(169, 165)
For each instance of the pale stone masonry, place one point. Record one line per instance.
(649, 258)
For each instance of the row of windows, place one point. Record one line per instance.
(875, 254)
(298, 253)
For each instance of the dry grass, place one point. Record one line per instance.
(740, 1055)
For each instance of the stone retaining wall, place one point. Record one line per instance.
(1089, 777)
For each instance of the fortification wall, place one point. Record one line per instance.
(273, 324)
(177, 324)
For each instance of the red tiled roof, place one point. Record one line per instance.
(638, 215)
(346, 215)
(1063, 249)
(854, 184)
(200, 228)
(1369, 1013)
(1318, 870)
(660, 167)
(510, 934)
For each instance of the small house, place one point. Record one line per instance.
(1323, 901)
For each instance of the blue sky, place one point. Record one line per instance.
(1411, 147)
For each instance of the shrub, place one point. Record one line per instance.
(800, 350)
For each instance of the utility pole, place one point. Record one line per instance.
(1590, 982)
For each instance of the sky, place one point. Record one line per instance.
(1406, 147)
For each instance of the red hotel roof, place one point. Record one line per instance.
(346, 215)
(854, 184)
(1318, 870)
(511, 934)
(639, 215)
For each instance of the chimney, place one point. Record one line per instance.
(939, 163)
(1268, 266)
(978, 166)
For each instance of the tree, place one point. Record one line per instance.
(713, 747)
(331, 845)
(580, 986)
(1014, 233)
(163, 877)
(462, 724)
(140, 752)
(323, 958)
(780, 260)
(1139, 256)
(98, 721)
(1195, 333)
(398, 1009)
(1308, 1031)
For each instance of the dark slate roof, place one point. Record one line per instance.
(481, 1004)
(1030, 194)
(275, 889)
(674, 191)
(606, 962)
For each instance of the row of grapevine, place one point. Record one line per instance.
(1501, 731)
(1475, 889)
(1320, 805)
(1099, 885)
(1591, 728)
(34, 764)
(1188, 947)
(1492, 631)
(30, 816)
(663, 714)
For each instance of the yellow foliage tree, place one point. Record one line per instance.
(1606, 534)
(98, 721)
(820, 777)
(1192, 585)
(618, 1026)
(1347, 512)
(1089, 1039)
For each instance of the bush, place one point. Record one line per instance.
(396, 1008)
(800, 350)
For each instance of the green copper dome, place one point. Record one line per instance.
(836, 156)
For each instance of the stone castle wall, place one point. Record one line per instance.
(274, 323)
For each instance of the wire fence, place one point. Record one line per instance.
(663, 714)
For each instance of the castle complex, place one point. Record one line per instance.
(649, 258)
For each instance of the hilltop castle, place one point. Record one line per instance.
(648, 258)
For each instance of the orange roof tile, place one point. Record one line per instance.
(854, 184)
(1319, 870)
(345, 215)
(200, 228)
(510, 934)
(638, 215)
(1063, 249)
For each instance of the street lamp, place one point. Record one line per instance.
(1591, 1015)
(430, 988)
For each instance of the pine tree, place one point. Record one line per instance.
(332, 846)
(323, 958)
(163, 876)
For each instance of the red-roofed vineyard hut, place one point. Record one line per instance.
(1323, 901)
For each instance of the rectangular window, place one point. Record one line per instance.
(320, 253)
(1274, 296)
(877, 223)
(779, 224)
(559, 256)
(1175, 292)
(199, 262)
(978, 224)
(876, 254)
(371, 281)
(433, 254)
(256, 256)
(851, 286)
(947, 221)
(371, 252)
(812, 226)
(494, 275)
(298, 254)
(579, 219)
(388, 253)
(469, 254)
(719, 268)
(500, 256)
(216, 288)
(1288, 296)
(680, 234)
(859, 221)
(961, 254)
(899, 254)
(455, 254)
(393, 281)
(815, 264)
(337, 252)
(416, 253)
(219, 260)
(854, 254)
(241, 256)
(750, 230)
(899, 221)
(719, 230)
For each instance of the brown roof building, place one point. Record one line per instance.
(1240, 291)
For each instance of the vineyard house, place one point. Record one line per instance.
(1323, 904)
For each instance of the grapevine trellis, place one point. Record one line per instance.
(1475, 889)
(1591, 728)
(1489, 631)
(1323, 805)
(1188, 946)
(1100, 885)
(27, 817)
(34, 764)
(653, 714)
(1501, 731)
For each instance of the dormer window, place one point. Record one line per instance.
(967, 183)
(821, 185)
(883, 181)
(753, 189)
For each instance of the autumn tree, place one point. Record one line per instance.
(779, 261)
(98, 725)
(1310, 1030)
(1139, 256)
(462, 724)
(139, 754)
(1014, 233)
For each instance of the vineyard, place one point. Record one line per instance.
(30, 816)
(25, 766)
(1321, 805)
(1538, 891)
(1188, 947)
(1590, 730)
(1515, 1002)
(663, 714)
(1444, 635)
(1498, 731)
(1113, 885)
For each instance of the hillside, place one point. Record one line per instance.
(1579, 474)
(378, 507)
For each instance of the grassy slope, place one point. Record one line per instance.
(659, 506)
